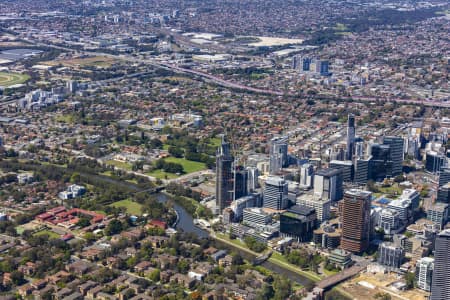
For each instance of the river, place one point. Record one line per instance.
(185, 220)
(186, 223)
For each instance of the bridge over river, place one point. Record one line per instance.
(331, 281)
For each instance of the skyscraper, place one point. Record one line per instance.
(444, 176)
(306, 176)
(306, 63)
(381, 164)
(252, 182)
(278, 154)
(224, 176)
(355, 217)
(441, 274)
(328, 184)
(350, 136)
(424, 273)
(275, 193)
(240, 183)
(396, 145)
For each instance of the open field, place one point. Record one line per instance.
(51, 234)
(215, 142)
(133, 208)
(94, 61)
(161, 174)
(188, 165)
(119, 164)
(379, 283)
(8, 79)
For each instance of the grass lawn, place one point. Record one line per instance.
(119, 164)
(132, 207)
(393, 191)
(161, 174)
(8, 79)
(51, 234)
(233, 241)
(188, 165)
(215, 142)
(107, 173)
(280, 260)
(329, 273)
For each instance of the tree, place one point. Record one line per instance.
(183, 266)
(75, 178)
(282, 287)
(89, 236)
(410, 279)
(176, 152)
(266, 292)
(254, 245)
(17, 277)
(155, 275)
(237, 259)
(114, 227)
(83, 222)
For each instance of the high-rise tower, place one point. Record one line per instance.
(355, 216)
(278, 154)
(441, 274)
(350, 136)
(224, 176)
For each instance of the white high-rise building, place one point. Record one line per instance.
(306, 176)
(275, 193)
(424, 273)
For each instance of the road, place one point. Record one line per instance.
(228, 84)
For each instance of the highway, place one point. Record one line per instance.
(228, 84)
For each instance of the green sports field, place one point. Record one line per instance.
(8, 79)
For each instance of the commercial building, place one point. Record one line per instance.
(327, 236)
(403, 207)
(362, 170)
(443, 194)
(340, 258)
(278, 154)
(255, 216)
(328, 184)
(444, 176)
(224, 176)
(389, 221)
(424, 273)
(391, 255)
(240, 182)
(238, 205)
(252, 180)
(381, 164)
(275, 193)
(306, 176)
(434, 161)
(438, 213)
(441, 274)
(298, 222)
(396, 145)
(355, 217)
(412, 196)
(322, 206)
(351, 131)
(346, 167)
